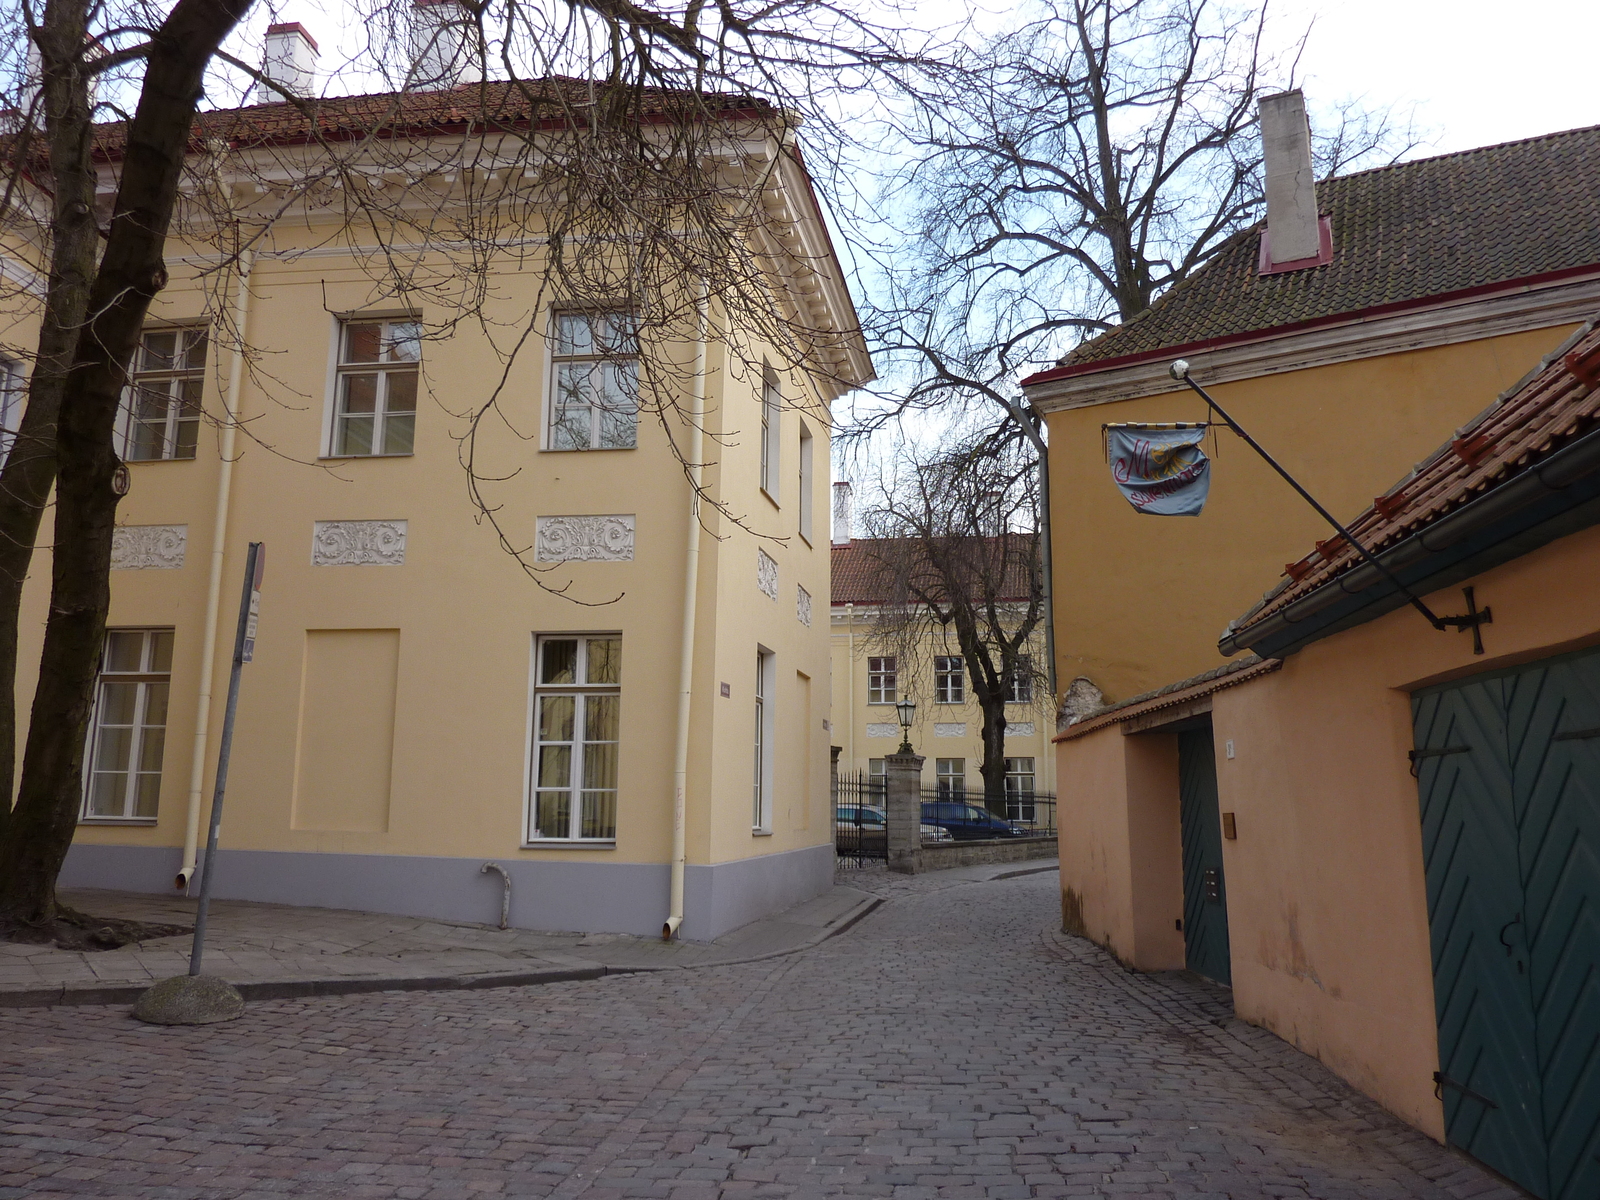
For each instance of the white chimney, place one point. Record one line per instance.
(841, 514)
(290, 62)
(1294, 232)
(443, 46)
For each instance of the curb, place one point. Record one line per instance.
(288, 989)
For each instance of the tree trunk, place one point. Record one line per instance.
(30, 467)
(131, 274)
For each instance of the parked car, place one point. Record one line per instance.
(968, 822)
(870, 834)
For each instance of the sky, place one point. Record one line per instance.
(1477, 72)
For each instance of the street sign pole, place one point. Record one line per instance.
(244, 644)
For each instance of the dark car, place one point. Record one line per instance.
(967, 822)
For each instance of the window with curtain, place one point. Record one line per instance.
(128, 729)
(576, 736)
(950, 776)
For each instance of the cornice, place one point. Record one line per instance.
(1517, 309)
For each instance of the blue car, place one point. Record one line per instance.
(968, 822)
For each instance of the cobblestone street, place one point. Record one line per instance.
(950, 1046)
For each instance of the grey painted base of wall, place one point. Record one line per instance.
(580, 897)
(977, 854)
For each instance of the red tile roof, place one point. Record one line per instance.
(475, 106)
(862, 573)
(1403, 236)
(1556, 402)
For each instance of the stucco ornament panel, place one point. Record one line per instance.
(358, 543)
(883, 729)
(585, 539)
(802, 605)
(767, 573)
(1019, 728)
(148, 547)
(950, 729)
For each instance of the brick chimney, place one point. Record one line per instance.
(290, 62)
(1297, 236)
(841, 514)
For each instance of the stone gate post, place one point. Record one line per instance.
(904, 802)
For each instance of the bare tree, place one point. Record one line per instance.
(956, 540)
(647, 154)
(1081, 164)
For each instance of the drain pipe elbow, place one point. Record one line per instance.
(505, 892)
(670, 929)
(181, 883)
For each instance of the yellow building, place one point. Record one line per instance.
(870, 674)
(423, 701)
(1442, 280)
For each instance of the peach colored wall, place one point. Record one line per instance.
(1141, 602)
(1327, 913)
(1155, 849)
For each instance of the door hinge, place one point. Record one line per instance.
(1417, 756)
(1441, 1080)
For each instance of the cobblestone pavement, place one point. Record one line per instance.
(951, 1046)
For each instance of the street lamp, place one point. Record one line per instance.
(907, 710)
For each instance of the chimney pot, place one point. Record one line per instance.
(1295, 233)
(841, 514)
(290, 62)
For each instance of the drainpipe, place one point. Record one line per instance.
(691, 587)
(219, 534)
(850, 641)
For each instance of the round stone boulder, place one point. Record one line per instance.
(190, 1000)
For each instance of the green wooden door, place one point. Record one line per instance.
(1509, 783)
(1205, 896)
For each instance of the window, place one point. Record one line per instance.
(594, 402)
(951, 777)
(377, 405)
(11, 386)
(576, 721)
(771, 428)
(1021, 689)
(127, 734)
(761, 802)
(1019, 789)
(949, 682)
(162, 418)
(881, 680)
(805, 482)
(878, 780)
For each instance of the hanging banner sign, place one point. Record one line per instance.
(1160, 468)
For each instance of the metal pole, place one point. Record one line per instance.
(243, 645)
(1180, 370)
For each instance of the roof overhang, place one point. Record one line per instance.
(1515, 306)
(1559, 496)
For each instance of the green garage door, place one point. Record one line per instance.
(1508, 767)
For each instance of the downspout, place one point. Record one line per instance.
(850, 635)
(691, 588)
(219, 534)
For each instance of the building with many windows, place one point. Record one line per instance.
(560, 663)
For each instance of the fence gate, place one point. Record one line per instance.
(860, 819)
(1508, 770)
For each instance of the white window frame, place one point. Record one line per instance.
(807, 481)
(771, 431)
(1019, 688)
(950, 779)
(1021, 781)
(583, 692)
(387, 366)
(171, 379)
(762, 778)
(143, 680)
(883, 681)
(949, 679)
(12, 388)
(599, 360)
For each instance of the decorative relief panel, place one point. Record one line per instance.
(767, 573)
(802, 605)
(358, 543)
(1019, 728)
(950, 729)
(886, 729)
(148, 547)
(585, 539)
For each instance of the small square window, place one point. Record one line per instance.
(881, 680)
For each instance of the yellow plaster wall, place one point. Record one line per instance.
(1141, 600)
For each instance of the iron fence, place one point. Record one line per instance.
(965, 816)
(860, 820)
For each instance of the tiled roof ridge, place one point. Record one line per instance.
(1538, 415)
(1553, 135)
(1203, 684)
